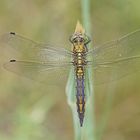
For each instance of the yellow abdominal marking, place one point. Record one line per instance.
(80, 71)
(81, 105)
(79, 61)
(80, 99)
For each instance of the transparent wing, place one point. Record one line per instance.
(52, 73)
(36, 60)
(31, 50)
(117, 58)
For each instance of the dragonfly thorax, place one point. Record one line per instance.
(79, 48)
(79, 42)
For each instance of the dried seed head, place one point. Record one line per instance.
(79, 28)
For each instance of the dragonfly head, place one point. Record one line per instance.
(79, 39)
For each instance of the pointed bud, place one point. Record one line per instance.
(79, 28)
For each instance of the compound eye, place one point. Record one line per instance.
(81, 40)
(75, 40)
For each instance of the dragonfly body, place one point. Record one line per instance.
(79, 50)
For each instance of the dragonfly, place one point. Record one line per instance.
(120, 57)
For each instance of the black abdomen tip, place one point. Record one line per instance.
(12, 33)
(12, 60)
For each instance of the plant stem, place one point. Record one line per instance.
(89, 129)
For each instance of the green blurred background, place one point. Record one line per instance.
(31, 111)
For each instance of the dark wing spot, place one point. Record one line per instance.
(12, 60)
(12, 33)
